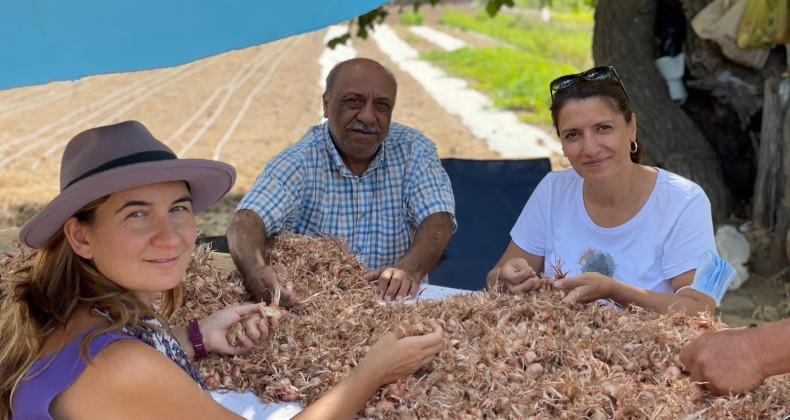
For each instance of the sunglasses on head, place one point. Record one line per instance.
(594, 74)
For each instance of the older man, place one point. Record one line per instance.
(378, 185)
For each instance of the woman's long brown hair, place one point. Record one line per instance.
(43, 296)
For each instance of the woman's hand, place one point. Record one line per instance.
(215, 328)
(392, 358)
(516, 276)
(586, 287)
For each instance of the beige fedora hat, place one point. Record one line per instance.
(108, 159)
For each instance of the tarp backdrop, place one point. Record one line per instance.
(46, 40)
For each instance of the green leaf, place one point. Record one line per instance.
(340, 40)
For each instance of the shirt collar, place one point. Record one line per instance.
(377, 162)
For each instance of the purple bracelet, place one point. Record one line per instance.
(197, 339)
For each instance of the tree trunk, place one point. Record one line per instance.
(771, 198)
(623, 37)
(769, 187)
(782, 228)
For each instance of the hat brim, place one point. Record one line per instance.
(208, 182)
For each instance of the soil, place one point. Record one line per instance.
(263, 99)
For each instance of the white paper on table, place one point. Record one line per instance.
(430, 291)
(250, 407)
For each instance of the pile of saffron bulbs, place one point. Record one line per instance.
(529, 356)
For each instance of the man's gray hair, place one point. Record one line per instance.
(332, 76)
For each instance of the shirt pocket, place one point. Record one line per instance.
(393, 222)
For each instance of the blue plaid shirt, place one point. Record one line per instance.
(307, 189)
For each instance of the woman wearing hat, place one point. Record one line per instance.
(80, 336)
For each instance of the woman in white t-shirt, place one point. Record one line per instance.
(622, 231)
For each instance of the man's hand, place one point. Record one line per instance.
(725, 361)
(403, 280)
(263, 283)
(394, 283)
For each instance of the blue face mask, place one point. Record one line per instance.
(713, 276)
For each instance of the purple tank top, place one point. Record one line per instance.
(33, 396)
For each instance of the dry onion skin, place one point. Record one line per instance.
(527, 356)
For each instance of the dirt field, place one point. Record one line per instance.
(241, 107)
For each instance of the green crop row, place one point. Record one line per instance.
(517, 75)
(567, 37)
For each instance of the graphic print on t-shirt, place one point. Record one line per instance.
(596, 261)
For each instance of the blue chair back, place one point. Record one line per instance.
(489, 196)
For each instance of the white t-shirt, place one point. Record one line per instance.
(667, 237)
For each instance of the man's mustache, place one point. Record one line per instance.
(358, 125)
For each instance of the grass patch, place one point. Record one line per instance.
(514, 79)
(567, 38)
(558, 5)
(409, 18)
(413, 39)
(518, 77)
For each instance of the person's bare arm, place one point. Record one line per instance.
(431, 239)
(738, 360)
(388, 360)
(215, 329)
(517, 271)
(129, 379)
(246, 236)
(587, 287)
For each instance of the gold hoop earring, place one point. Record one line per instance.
(634, 146)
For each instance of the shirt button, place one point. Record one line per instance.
(362, 215)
